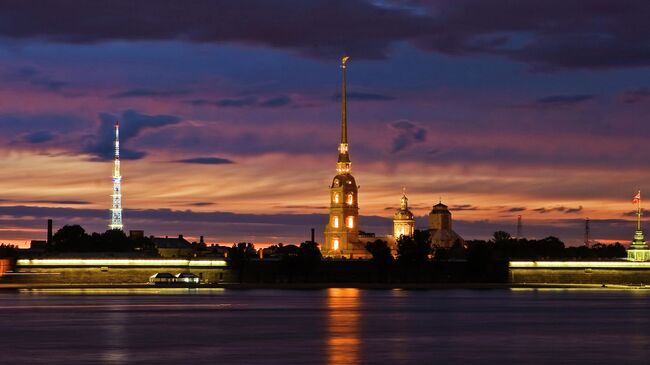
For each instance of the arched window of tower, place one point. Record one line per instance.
(350, 199)
(350, 222)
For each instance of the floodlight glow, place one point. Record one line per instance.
(120, 262)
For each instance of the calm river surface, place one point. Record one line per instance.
(330, 326)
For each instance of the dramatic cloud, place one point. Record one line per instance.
(515, 209)
(564, 100)
(636, 95)
(633, 213)
(132, 123)
(277, 101)
(201, 204)
(273, 102)
(38, 137)
(408, 133)
(547, 34)
(565, 210)
(462, 207)
(138, 93)
(61, 202)
(36, 78)
(207, 161)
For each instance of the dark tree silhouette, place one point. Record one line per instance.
(114, 240)
(413, 253)
(70, 238)
(382, 259)
(501, 236)
(310, 257)
(8, 251)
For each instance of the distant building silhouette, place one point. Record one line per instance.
(440, 227)
(175, 247)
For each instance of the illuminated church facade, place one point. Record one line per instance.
(342, 231)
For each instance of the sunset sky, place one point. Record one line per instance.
(230, 117)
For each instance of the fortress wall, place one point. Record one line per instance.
(581, 273)
(106, 274)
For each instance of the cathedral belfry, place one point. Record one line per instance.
(342, 231)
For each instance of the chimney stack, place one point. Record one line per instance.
(49, 231)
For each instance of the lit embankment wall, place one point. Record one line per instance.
(579, 272)
(111, 271)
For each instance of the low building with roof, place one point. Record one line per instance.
(175, 247)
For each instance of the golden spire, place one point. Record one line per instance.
(344, 165)
(344, 111)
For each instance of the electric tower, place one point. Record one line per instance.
(116, 209)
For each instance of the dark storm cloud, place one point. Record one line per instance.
(563, 100)
(361, 96)
(566, 210)
(21, 126)
(224, 224)
(249, 101)
(132, 123)
(636, 95)
(318, 28)
(408, 133)
(138, 93)
(207, 161)
(38, 137)
(546, 34)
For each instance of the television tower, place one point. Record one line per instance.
(519, 227)
(116, 209)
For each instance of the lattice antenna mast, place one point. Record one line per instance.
(116, 209)
(587, 232)
(519, 227)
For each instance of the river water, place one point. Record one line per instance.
(329, 326)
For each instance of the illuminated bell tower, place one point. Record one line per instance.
(403, 220)
(116, 209)
(342, 232)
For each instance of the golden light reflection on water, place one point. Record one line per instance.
(343, 326)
